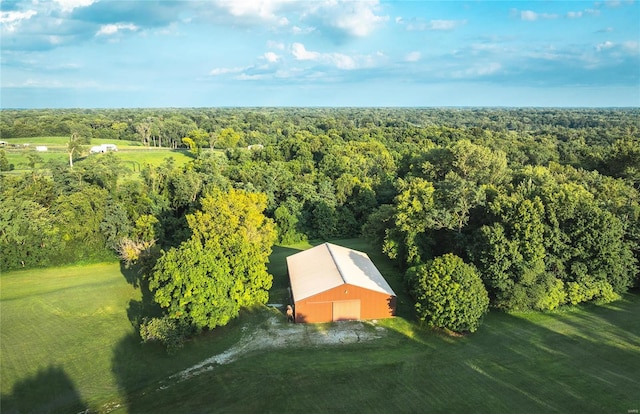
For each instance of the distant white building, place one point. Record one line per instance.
(103, 148)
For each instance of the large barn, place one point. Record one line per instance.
(334, 283)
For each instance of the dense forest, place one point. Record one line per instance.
(543, 203)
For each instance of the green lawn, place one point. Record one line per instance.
(67, 340)
(67, 343)
(132, 153)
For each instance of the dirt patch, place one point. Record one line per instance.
(276, 334)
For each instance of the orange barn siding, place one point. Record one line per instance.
(319, 308)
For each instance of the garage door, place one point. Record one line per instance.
(346, 310)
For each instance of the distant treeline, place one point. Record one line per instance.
(543, 202)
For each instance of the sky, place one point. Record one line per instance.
(133, 53)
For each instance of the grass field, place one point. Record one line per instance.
(68, 343)
(132, 153)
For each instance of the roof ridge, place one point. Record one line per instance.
(335, 261)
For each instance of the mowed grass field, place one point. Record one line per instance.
(68, 344)
(132, 154)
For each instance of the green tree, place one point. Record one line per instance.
(74, 148)
(513, 253)
(229, 138)
(28, 236)
(34, 159)
(286, 217)
(78, 216)
(116, 224)
(196, 139)
(415, 214)
(623, 160)
(449, 293)
(222, 267)
(4, 161)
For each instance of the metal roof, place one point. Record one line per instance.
(328, 266)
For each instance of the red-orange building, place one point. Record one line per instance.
(334, 283)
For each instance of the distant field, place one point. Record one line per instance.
(132, 153)
(62, 141)
(67, 343)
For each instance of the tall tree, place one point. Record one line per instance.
(222, 267)
(74, 147)
(28, 236)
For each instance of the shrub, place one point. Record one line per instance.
(449, 293)
(172, 333)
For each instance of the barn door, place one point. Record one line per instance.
(346, 310)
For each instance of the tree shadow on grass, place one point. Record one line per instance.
(146, 372)
(514, 363)
(621, 321)
(132, 274)
(545, 367)
(146, 307)
(49, 391)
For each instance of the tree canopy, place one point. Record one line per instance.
(222, 266)
(449, 293)
(545, 203)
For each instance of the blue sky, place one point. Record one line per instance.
(96, 54)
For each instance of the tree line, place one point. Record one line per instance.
(541, 205)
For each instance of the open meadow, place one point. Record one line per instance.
(68, 344)
(132, 154)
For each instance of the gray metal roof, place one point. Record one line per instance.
(328, 266)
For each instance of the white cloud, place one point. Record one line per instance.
(343, 61)
(585, 12)
(10, 20)
(225, 71)
(332, 18)
(300, 53)
(55, 40)
(420, 25)
(261, 11)
(632, 47)
(69, 5)
(478, 70)
(57, 83)
(618, 50)
(530, 16)
(110, 29)
(604, 45)
(271, 57)
(252, 77)
(297, 30)
(339, 60)
(275, 45)
(446, 24)
(360, 19)
(413, 57)
(351, 18)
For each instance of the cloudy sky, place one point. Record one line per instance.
(90, 53)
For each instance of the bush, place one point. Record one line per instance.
(172, 333)
(449, 293)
